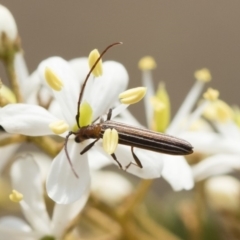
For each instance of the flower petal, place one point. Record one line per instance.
(216, 165)
(186, 107)
(62, 185)
(106, 190)
(30, 87)
(105, 90)
(68, 96)
(26, 179)
(16, 229)
(211, 143)
(80, 67)
(14, 223)
(177, 172)
(26, 119)
(21, 72)
(7, 151)
(7, 24)
(97, 158)
(152, 163)
(63, 214)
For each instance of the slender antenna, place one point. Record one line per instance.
(66, 152)
(87, 77)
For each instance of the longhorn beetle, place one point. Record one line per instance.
(128, 135)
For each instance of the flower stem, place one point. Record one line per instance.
(125, 209)
(47, 144)
(8, 50)
(9, 63)
(156, 230)
(12, 139)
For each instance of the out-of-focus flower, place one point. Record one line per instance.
(29, 193)
(219, 144)
(110, 187)
(175, 168)
(223, 193)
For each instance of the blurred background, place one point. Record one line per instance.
(181, 35)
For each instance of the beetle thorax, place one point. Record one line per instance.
(90, 131)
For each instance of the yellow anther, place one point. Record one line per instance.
(211, 94)
(218, 111)
(85, 114)
(147, 63)
(92, 58)
(157, 104)
(16, 196)
(53, 80)
(161, 117)
(59, 127)
(203, 75)
(110, 140)
(236, 115)
(7, 94)
(133, 95)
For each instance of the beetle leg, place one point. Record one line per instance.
(66, 152)
(137, 161)
(109, 115)
(90, 145)
(115, 159)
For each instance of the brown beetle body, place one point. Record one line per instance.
(127, 135)
(137, 137)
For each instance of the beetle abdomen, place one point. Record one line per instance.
(149, 140)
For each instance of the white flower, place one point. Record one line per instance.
(26, 179)
(35, 91)
(175, 168)
(221, 149)
(110, 187)
(223, 193)
(101, 94)
(219, 145)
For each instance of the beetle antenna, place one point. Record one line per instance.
(66, 152)
(87, 77)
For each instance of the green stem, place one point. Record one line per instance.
(156, 230)
(12, 139)
(47, 144)
(9, 63)
(134, 199)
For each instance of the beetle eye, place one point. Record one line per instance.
(77, 139)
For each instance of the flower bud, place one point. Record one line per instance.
(8, 27)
